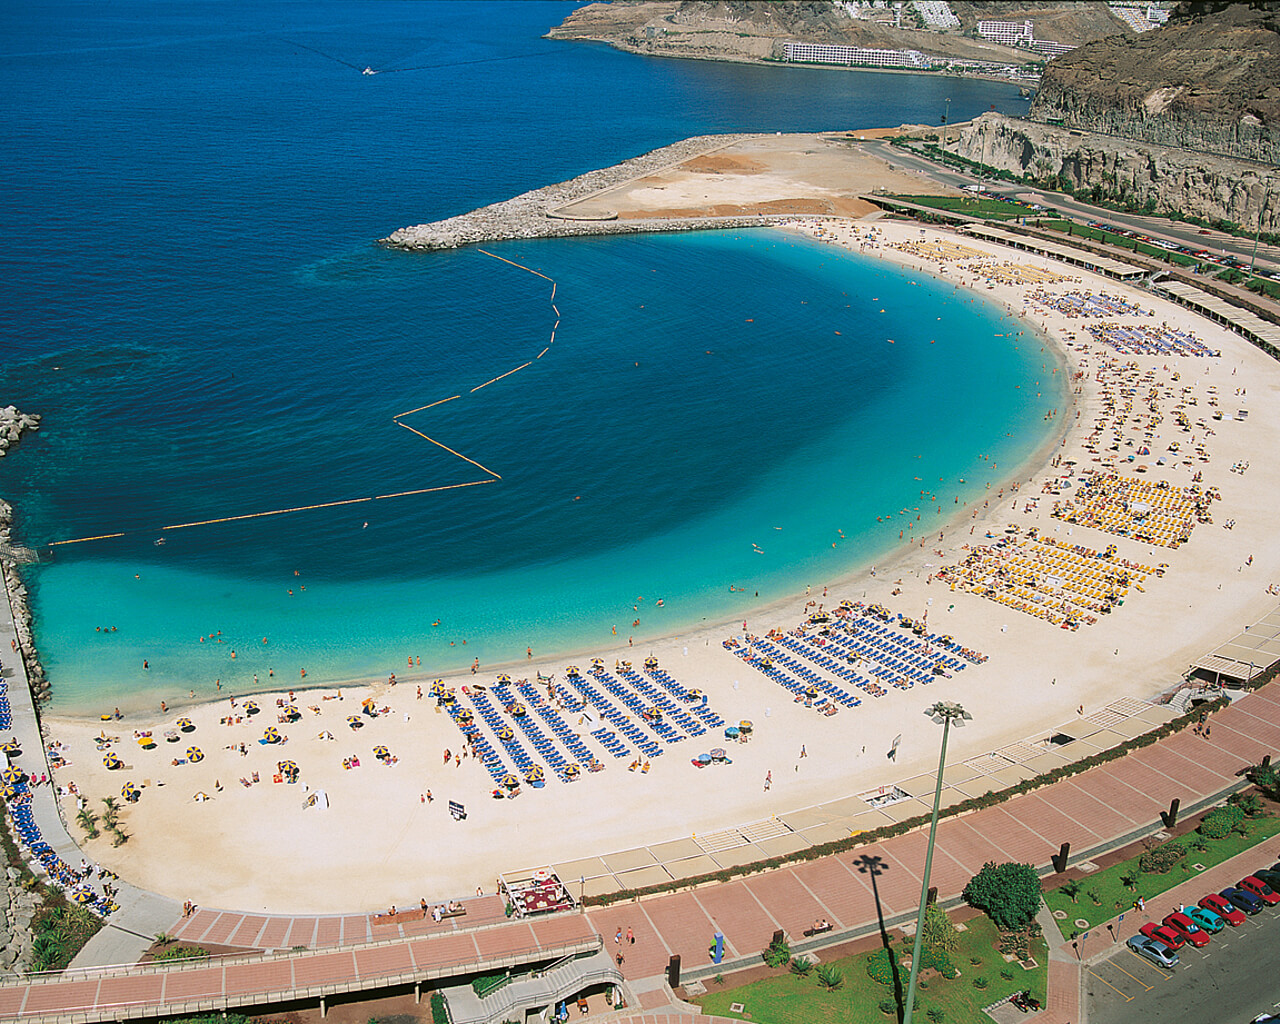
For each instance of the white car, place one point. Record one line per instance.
(1154, 950)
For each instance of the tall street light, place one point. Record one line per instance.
(943, 713)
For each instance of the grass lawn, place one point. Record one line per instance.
(788, 999)
(1114, 897)
(975, 207)
(1122, 241)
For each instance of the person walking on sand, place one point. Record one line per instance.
(768, 780)
(475, 666)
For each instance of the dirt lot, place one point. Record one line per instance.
(800, 174)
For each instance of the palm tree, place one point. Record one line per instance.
(88, 821)
(111, 811)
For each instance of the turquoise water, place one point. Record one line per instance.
(200, 315)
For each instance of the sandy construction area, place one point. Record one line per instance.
(255, 847)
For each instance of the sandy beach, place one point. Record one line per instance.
(256, 847)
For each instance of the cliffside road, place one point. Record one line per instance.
(1154, 227)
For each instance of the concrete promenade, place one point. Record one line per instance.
(1096, 811)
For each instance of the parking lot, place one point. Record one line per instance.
(1234, 978)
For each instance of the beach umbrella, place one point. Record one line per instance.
(195, 755)
(145, 741)
(10, 792)
(250, 707)
(695, 694)
(505, 733)
(745, 725)
(571, 771)
(465, 715)
(130, 792)
(573, 670)
(503, 677)
(171, 735)
(650, 662)
(270, 735)
(597, 661)
(12, 747)
(703, 758)
(354, 721)
(533, 773)
(731, 732)
(185, 725)
(112, 761)
(291, 714)
(812, 691)
(519, 710)
(82, 897)
(287, 768)
(437, 688)
(717, 753)
(14, 775)
(381, 751)
(448, 697)
(510, 781)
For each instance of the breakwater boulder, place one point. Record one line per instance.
(13, 424)
(17, 909)
(535, 214)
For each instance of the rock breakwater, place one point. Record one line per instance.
(12, 426)
(535, 214)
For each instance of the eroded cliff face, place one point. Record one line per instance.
(1174, 179)
(1208, 80)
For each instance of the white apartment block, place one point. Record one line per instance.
(856, 56)
(1010, 33)
(937, 14)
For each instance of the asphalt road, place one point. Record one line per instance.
(1230, 981)
(1268, 256)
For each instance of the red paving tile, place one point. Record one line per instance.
(356, 929)
(302, 932)
(274, 934)
(1073, 798)
(897, 888)
(1223, 761)
(791, 903)
(1055, 826)
(512, 939)
(328, 931)
(839, 884)
(1259, 725)
(648, 955)
(222, 929)
(558, 929)
(247, 933)
(11, 1000)
(680, 924)
(442, 951)
(379, 961)
(264, 976)
(1155, 785)
(197, 924)
(1187, 772)
(1133, 804)
(734, 911)
(71, 995)
(205, 981)
(323, 969)
(121, 991)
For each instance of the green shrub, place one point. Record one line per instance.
(1249, 803)
(801, 967)
(888, 1007)
(880, 966)
(1221, 822)
(181, 953)
(936, 1014)
(1009, 893)
(980, 983)
(439, 1014)
(777, 954)
(1162, 859)
(1006, 974)
(829, 977)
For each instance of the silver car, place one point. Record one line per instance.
(1154, 950)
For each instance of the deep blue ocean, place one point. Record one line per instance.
(197, 306)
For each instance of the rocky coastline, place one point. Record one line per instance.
(536, 214)
(13, 424)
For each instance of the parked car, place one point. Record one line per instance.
(1206, 919)
(1161, 933)
(1259, 888)
(1224, 908)
(1269, 875)
(1157, 952)
(1184, 926)
(1242, 900)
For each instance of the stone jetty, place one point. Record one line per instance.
(12, 426)
(537, 214)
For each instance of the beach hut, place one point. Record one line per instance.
(195, 755)
(130, 792)
(185, 725)
(270, 735)
(353, 721)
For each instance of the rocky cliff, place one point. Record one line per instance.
(1169, 178)
(1208, 80)
(754, 30)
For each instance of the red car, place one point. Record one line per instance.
(1223, 909)
(1260, 889)
(1188, 929)
(1163, 934)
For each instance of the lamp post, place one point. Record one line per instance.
(943, 713)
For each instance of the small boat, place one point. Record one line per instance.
(368, 71)
(159, 542)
